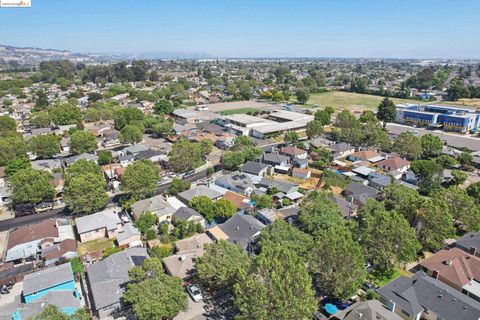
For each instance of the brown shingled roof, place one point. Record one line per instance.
(31, 232)
(394, 163)
(236, 199)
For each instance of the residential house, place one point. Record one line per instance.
(280, 185)
(294, 152)
(379, 181)
(237, 182)
(64, 250)
(300, 163)
(47, 164)
(394, 163)
(189, 215)
(241, 202)
(103, 224)
(423, 297)
(241, 229)
(456, 268)
(134, 149)
(341, 150)
(301, 173)
(152, 155)
(257, 168)
(359, 193)
(129, 237)
(187, 251)
(188, 195)
(111, 138)
(363, 171)
(276, 159)
(347, 208)
(55, 286)
(126, 160)
(268, 215)
(157, 205)
(366, 310)
(84, 156)
(469, 243)
(27, 241)
(107, 280)
(365, 155)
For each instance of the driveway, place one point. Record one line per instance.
(218, 307)
(195, 311)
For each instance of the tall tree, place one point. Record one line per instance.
(302, 96)
(153, 294)
(7, 125)
(431, 145)
(221, 265)
(407, 145)
(277, 286)
(434, 224)
(430, 175)
(32, 186)
(140, 179)
(463, 208)
(337, 263)
(11, 147)
(85, 193)
(386, 111)
(386, 238)
(131, 134)
(44, 146)
(185, 156)
(314, 129)
(81, 142)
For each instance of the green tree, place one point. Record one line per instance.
(386, 111)
(221, 265)
(203, 205)
(81, 142)
(32, 186)
(465, 158)
(232, 160)
(41, 100)
(131, 134)
(346, 119)
(105, 157)
(277, 286)
(206, 147)
(291, 137)
(40, 119)
(140, 179)
(431, 145)
(318, 213)
(185, 156)
(262, 201)
(434, 224)
(52, 312)
(446, 161)
(163, 106)
(463, 208)
(302, 96)
(7, 125)
(473, 191)
(127, 116)
(404, 200)
(161, 251)
(11, 147)
(458, 177)
(81, 167)
(178, 186)
(224, 209)
(44, 146)
(288, 236)
(430, 175)
(407, 145)
(85, 194)
(337, 263)
(368, 116)
(145, 222)
(153, 294)
(16, 165)
(375, 136)
(386, 238)
(314, 129)
(324, 117)
(65, 114)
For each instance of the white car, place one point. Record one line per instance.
(195, 292)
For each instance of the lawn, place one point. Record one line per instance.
(349, 101)
(381, 280)
(463, 103)
(94, 245)
(239, 111)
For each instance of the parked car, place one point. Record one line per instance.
(23, 210)
(195, 292)
(44, 206)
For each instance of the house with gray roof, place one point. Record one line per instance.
(366, 310)
(134, 149)
(469, 243)
(276, 159)
(256, 168)
(84, 156)
(238, 182)
(103, 224)
(188, 195)
(130, 236)
(280, 185)
(156, 205)
(378, 181)
(347, 207)
(189, 215)
(241, 229)
(47, 164)
(360, 193)
(108, 279)
(423, 297)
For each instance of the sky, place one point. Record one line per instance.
(251, 28)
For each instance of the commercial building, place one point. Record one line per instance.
(444, 117)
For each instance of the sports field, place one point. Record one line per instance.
(349, 101)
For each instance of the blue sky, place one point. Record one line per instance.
(251, 28)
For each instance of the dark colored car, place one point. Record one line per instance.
(23, 210)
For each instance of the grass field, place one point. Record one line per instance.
(239, 111)
(94, 245)
(381, 280)
(466, 103)
(349, 101)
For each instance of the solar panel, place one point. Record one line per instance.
(138, 260)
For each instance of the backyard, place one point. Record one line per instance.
(380, 279)
(94, 246)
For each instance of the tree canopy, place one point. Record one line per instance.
(140, 179)
(32, 186)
